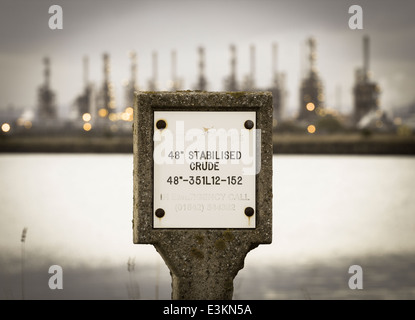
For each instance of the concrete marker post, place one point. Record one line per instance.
(203, 261)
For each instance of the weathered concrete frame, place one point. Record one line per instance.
(203, 262)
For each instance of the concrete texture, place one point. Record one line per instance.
(202, 262)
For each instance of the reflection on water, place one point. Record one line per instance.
(387, 276)
(329, 212)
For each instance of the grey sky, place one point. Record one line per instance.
(93, 27)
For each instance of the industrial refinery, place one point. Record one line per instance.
(96, 111)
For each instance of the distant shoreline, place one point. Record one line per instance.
(379, 144)
(356, 144)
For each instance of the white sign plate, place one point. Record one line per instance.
(204, 169)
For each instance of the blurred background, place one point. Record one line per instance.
(344, 120)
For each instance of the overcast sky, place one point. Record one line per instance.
(92, 27)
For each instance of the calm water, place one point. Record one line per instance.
(329, 212)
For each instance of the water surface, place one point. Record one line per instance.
(328, 213)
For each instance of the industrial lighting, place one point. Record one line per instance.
(310, 106)
(20, 122)
(113, 117)
(86, 117)
(27, 124)
(87, 126)
(102, 112)
(5, 127)
(311, 128)
(125, 116)
(397, 121)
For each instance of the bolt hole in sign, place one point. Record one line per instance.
(205, 169)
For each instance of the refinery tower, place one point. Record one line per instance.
(311, 90)
(366, 92)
